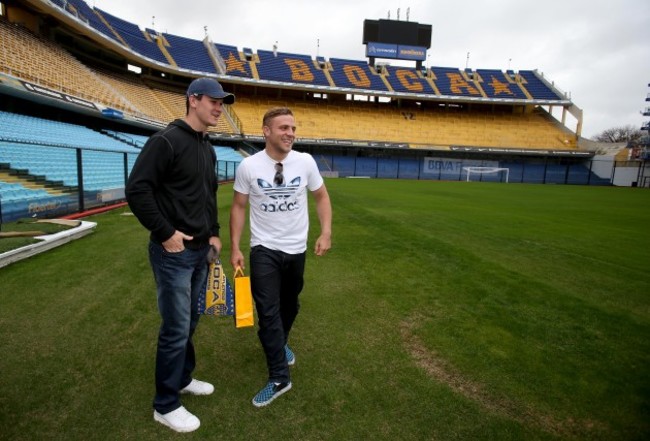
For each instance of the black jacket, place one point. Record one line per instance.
(173, 185)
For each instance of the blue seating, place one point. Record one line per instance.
(129, 138)
(189, 54)
(406, 79)
(227, 162)
(234, 64)
(537, 88)
(134, 37)
(450, 81)
(101, 170)
(27, 129)
(290, 68)
(82, 11)
(302, 69)
(496, 85)
(102, 155)
(356, 75)
(10, 192)
(227, 154)
(21, 202)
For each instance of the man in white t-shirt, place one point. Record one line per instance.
(275, 182)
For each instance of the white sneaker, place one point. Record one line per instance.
(179, 420)
(198, 387)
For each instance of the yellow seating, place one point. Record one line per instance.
(418, 127)
(143, 98)
(39, 61)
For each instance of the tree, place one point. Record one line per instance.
(628, 133)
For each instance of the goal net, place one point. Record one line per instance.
(497, 174)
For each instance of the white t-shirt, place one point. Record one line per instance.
(279, 215)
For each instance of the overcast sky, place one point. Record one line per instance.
(596, 50)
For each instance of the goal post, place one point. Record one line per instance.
(504, 173)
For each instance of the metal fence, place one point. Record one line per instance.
(74, 180)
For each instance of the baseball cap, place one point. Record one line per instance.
(211, 88)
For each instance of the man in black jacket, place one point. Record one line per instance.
(172, 191)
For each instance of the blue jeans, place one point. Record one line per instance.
(276, 281)
(180, 277)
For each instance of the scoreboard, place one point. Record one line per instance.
(405, 40)
(408, 33)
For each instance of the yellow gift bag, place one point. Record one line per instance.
(243, 300)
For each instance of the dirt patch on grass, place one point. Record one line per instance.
(439, 369)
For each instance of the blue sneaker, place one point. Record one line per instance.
(270, 392)
(291, 358)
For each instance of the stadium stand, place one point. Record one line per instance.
(158, 104)
(39, 164)
(227, 154)
(128, 138)
(143, 99)
(236, 63)
(58, 166)
(46, 150)
(162, 106)
(356, 75)
(453, 82)
(32, 58)
(496, 84)
(83, 12)
(380, 121)
(408, 80)
(142, 42)
(536, 87)
(27, 129)
(291, 68)
(416, 126)
(189, 54)
(155, 104)
(303, 69)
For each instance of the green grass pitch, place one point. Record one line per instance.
(444, 311)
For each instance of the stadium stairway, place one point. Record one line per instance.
(29, 182)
